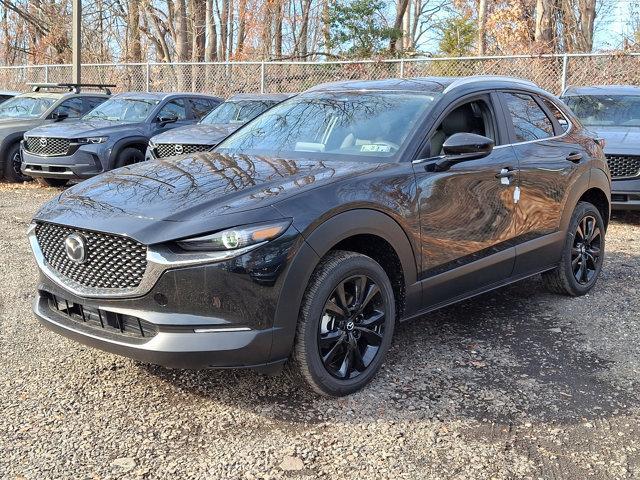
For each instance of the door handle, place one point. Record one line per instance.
(574, 157)
(506, 172)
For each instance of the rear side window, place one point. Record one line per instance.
(529, 120)
(201, 106)
(556, 112)
(72, 107)
(92, 102)
(174, 107)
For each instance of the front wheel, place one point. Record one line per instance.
(582, 256)
(128, 156)
(345, 326)
(12, 164)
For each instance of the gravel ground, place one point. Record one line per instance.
(517, 383)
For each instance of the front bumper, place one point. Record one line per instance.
(171, 347)
(625, 194)
(83, 163)
(204, 315)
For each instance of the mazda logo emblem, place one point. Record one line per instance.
(43, 142)
(178, 149)
(76, 247)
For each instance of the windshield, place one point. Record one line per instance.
(126, 110)
(25, 106)
(334, 125)
(606, 110)
(240, 111)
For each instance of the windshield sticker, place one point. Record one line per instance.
(375, 148)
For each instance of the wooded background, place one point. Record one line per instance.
(38, 31)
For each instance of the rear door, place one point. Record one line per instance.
(467, 219)
(549, 158)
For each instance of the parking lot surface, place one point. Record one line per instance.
(517, 383)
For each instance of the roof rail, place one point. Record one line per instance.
(71, 87)
(478, 78)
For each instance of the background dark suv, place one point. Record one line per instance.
(113, 135)
(47, 103)
(309, 232)
(613, 112)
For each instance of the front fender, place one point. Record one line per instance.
(123, 143)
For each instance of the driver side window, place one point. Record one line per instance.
(471, 117)
(72, 107)
(174, 107)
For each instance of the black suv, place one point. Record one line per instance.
(46, 103)
(613, 112)
(111, 136)
(312, 230)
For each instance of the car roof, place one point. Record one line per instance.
(9, 92)
(161, 95)
(602, 90)
(277, 97)
(422, 84)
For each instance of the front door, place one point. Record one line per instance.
(467, 219)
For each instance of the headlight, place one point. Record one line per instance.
(92, 140)
(236, 238)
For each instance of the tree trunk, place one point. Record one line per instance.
(134, 53)
(482, 27)
(210, 54)
(397, 24)
(242, 20)
(587, 16)
(182, 34)
(326, 37)
(544, 26)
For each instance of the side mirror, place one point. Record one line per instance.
(59, 115)
(461, 147)
(164, 119)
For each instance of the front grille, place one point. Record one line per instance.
(111, 261)
(102, 320)
(623, 166)
(47, 145)
(170, 149)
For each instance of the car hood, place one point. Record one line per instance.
(619, 139)
(165, 199)
(94, 128)
(199, 134)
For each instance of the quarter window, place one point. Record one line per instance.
(174, 107)
(556, 112)
(529, 120)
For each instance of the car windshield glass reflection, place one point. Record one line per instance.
(126, 110)
(604, 110)
(26, 106)
(334, 125)
(237, 112)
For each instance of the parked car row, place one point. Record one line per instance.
(60, 132)
(307, 234)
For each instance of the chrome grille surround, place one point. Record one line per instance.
(47, 146)
(170, 149)
(159, 258)
(112, 261)
(623, 166)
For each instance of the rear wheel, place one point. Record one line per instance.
(52, 182)
(128, 156)
(582, 256)
(346, 324)
(12, 164)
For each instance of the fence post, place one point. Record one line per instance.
(402, 68)
(563, 83)
(46, 74)
(148, 77)
(262, 79)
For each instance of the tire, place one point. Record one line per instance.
(52, 182)
(357, 339)
(12, 163)
(581, 261)
(128, 156)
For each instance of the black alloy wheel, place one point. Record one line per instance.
(582, 254)
(12, 172)
(345, 325)
(352, 327)
(585, 254)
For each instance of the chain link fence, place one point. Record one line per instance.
(551, 72)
